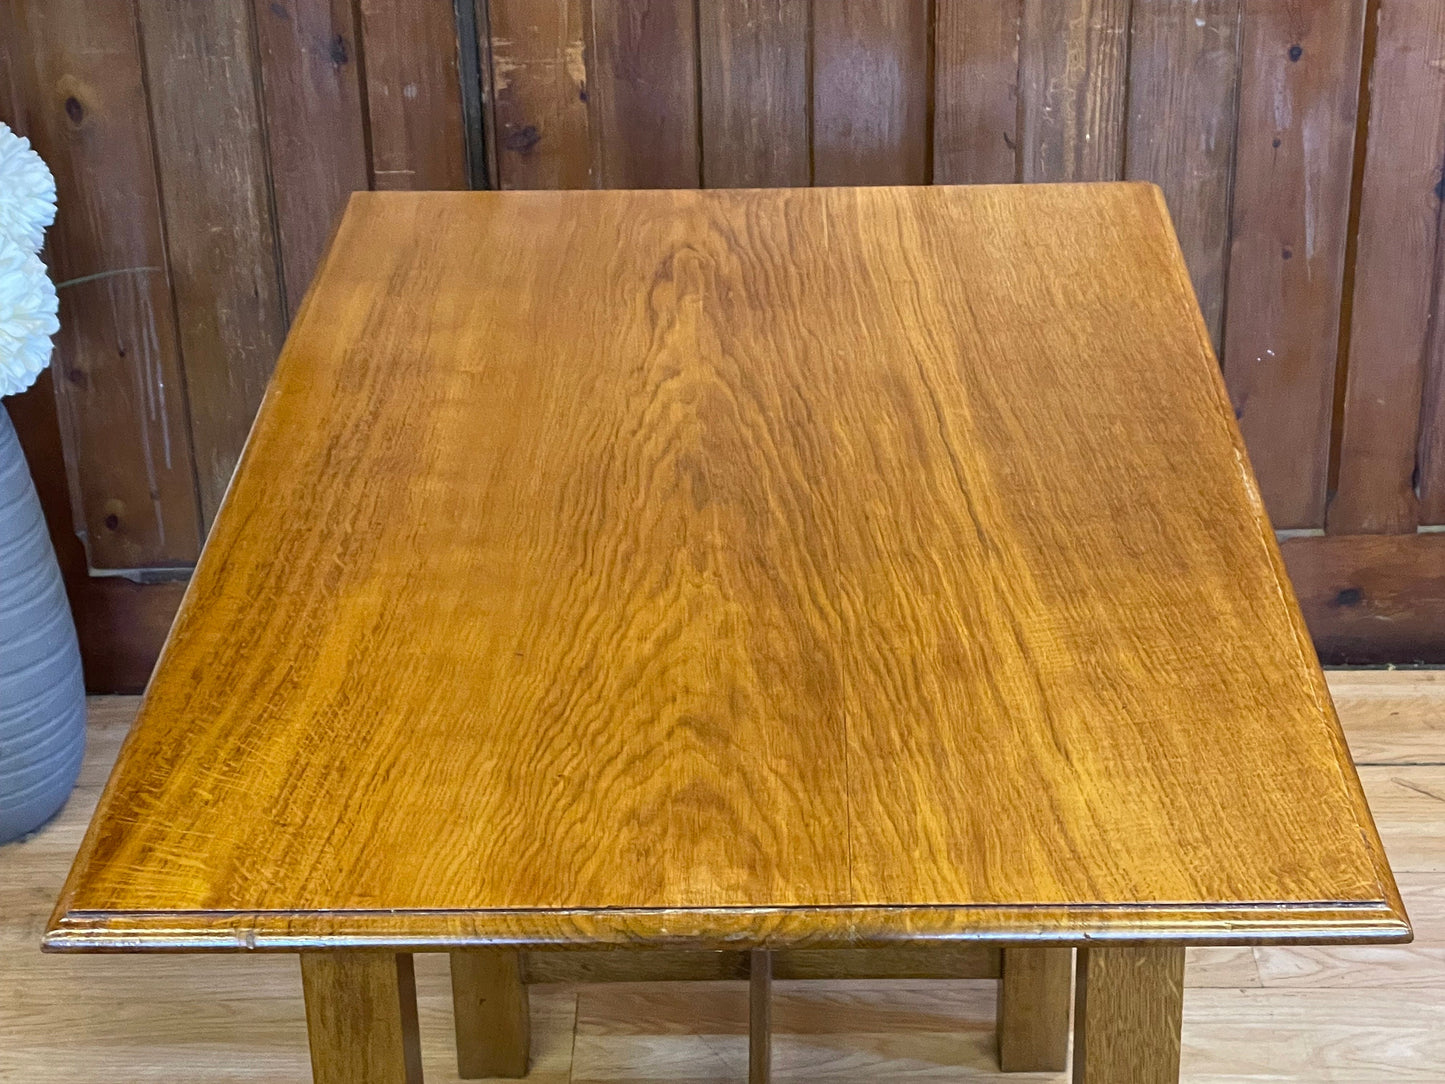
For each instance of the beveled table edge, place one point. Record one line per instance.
(1321, 923)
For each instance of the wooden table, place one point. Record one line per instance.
(768, 572)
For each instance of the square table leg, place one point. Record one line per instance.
(1033, 1009)
(1127, 1014)
(361, 1017)
(489, 1004)
(760, 1016)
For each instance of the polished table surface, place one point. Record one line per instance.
(756, 568)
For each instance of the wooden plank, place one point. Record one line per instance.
(121, 389)
(220, 229)
(642, 92)
(1128, 1015)
(1183, 86)
(565, 502)
(10, 61)
(413, 94)
(1372, 599)
(1394, 274)
(1432, 440)
(315, 132)
(489, 1006)
(1294, 163)
(1073, 88)
(361, 1018)
(755, 93)
(1392, 716)
(121, 624)
(1431, 454)
(1034, 997)
(760, 1016)
(871, 90)
(975, 88)
(960, 961)
(1409, 800)
(539, 86)
(953, 961)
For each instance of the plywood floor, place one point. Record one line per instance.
(1357, 1015)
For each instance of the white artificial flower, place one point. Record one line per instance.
(27, 192)
(27, 317)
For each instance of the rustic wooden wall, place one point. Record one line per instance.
(203, 152)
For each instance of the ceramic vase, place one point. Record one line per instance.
(42, 694)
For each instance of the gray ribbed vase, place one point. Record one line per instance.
(42, 694)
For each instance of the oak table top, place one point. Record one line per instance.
(751, 567)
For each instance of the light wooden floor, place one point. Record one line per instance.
(1357, 1015)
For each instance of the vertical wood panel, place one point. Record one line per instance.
(755, 92)
(1073, 86)
(539, 87)
(9, 65)
(975, 86)
(642, 89)
(1394, 274)
(121, 392)
(1294, 162)
(413, 94)
(1183, 85)
(220, 234)
(1432, 412)
(315, 136)
(870, 92)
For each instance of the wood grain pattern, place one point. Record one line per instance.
(1035, 993)
(1130, 1006)
(361, 1018)
(1183, 106)
(639, 459)
(1294, 163)
(1431, 461)
(10, 64)
(413, 94)
(121, 389)
(760, 1016)
(1372, 599)
(975, 91)
(493, 1021)
(642, 89)
(1367, 1014)
(1394, 274)
(1073, 89)
(1392, 716)
(539, 88)
(870, 92)
(316, 132)
(755, 93)
(212, 165)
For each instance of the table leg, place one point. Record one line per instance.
(1033, 1009)
(1130, 1002)
(361, 1017)
(760, 1016)
(489, 1004)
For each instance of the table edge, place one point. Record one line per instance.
(1326, 922)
